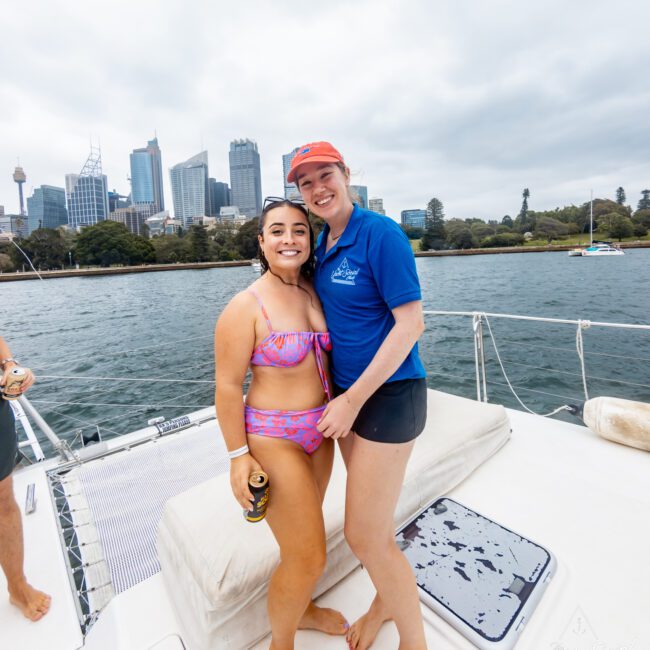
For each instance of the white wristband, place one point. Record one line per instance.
(238, 452)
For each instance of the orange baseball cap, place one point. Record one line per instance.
(313, 152)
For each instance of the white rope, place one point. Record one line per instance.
(505, 376)
(27, 258)
(582, 324)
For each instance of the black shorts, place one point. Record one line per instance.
(395, 412)
(8, 440)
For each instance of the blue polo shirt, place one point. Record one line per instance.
(369, 271)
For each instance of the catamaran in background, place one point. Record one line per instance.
(595, 248)
(141, 544)
(601, 248)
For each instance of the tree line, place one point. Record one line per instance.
(110, 243)
(613, 219)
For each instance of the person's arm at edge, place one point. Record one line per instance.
(234, 340)
(5, 353)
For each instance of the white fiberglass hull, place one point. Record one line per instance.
(602, 252)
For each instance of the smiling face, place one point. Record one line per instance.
(324, 189)
(285, 240)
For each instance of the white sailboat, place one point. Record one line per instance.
(600, 249)
(595, 248)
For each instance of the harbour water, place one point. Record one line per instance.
(84, 337)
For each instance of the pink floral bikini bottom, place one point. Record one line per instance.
(298, 426)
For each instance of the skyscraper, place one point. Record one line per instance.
(219, 196)
(362, 193)
(87, 193)
(19, 179)
(290, 189)
(376, 205)
(14, 225)
(117, 200)
(414, 218)
(46, 208)
(133, 217)
(190, 188)
(146, 176)
(245, 177)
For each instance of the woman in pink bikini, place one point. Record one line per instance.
(277, 328)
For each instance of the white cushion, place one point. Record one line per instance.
(216, 566)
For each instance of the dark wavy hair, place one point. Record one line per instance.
(307, 269)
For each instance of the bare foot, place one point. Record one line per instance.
(34, 604)
(363, 631)
(323, 619)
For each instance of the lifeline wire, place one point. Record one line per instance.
(505, 376)
(122, 353)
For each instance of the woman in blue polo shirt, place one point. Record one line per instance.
(369, 289)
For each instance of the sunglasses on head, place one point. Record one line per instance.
(270, 200)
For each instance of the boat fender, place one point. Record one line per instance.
(619, 420)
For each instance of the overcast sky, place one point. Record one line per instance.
(469, 101)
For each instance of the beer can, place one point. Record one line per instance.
(258, 482)
(15, 379)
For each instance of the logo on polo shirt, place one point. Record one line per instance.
(345, 274)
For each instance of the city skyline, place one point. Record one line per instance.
(498, 97)
(210, 189)
(47, 208)
(245, 177)
(147, 176)
(86, 193)
(290, 189)
(189, 187)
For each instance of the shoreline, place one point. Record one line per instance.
(120, 270)
(197, 266)
(521, 249)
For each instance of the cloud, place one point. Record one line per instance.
(467, 101)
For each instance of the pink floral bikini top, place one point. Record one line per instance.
(287, 349)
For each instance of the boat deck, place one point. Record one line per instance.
(584, 498)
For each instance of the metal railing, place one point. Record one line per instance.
(479, 319)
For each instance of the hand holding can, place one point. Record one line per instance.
(258, 483)
(14, 379)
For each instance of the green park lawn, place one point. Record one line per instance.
(582, 240)
(571, 240)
